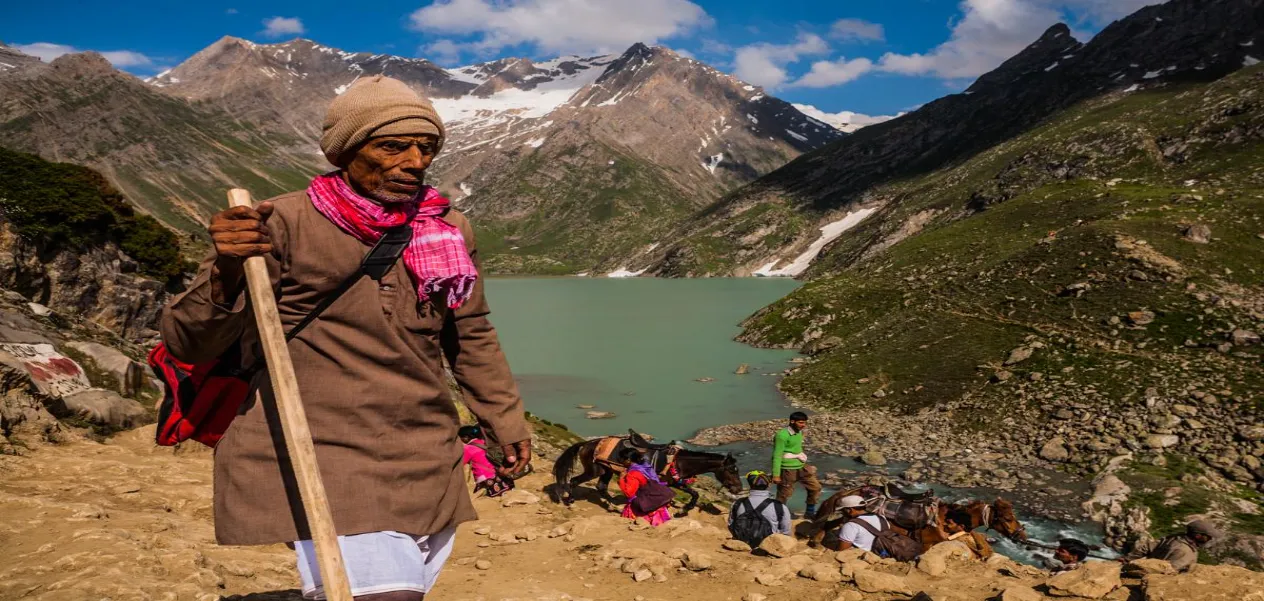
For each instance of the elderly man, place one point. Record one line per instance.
(1180, 550)
(370, 369)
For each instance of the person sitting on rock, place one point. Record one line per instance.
(760, 500)
(647, 496)
(1180, 550)
(852, 534)
(956, 527)
(1068, 556)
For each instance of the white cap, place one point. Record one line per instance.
(851, 501)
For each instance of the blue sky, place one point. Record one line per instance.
(870, 56)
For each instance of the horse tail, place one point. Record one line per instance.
(562, 469)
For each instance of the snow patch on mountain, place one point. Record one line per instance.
(829, 233)
(845, 121)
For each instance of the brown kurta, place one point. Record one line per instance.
(371, 377)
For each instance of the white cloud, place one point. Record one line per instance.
(685, 53)
(857, 30)
(827, 74)
(560, 26)
(710, 46)
(231, 11)
(991, 31)
(444, 52)
(46, 52)
(282, 26)
(764, 64)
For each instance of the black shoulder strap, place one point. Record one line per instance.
(866, 525)
(746, 503)
(380, 259)
(776, 506)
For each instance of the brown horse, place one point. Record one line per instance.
(688, 464)
(913, 518)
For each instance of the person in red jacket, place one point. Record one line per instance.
(639, 479)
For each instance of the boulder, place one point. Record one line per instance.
(129, 376)
(1206, 583)
(935, 560)
(698, 562)
(1055, 450)
(733, 544)
(1197, 233)
(821, 572)
(1019, 592)
(1139, 568)
(1242, 337)
(779, 545)
(871, 581)
(1092, 580)
(873, 457)
(1162, 441)
(101, 407)
(1019, 355)
(768, 580)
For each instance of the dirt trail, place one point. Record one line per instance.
(126, 520)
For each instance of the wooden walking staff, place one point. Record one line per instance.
(298, 438)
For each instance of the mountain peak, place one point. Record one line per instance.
(1047, 52)
(1060, 30)
(86, 63)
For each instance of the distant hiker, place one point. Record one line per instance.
(758, 516)
(1068, 556)
(873, 533)
(956, 527)
(647, 496)
(475, 455)
(371, 368)
(1180, 550)
(790, 463)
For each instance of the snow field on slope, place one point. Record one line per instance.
(829, 233)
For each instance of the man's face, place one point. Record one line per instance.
(799, 424)
(1063, 556)
(392, 169)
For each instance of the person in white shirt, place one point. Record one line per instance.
(854, 535)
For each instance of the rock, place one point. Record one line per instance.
(849, 596)
(873, 457)
(1242, 337)
(871, 581)
(742, 369)
(1019, 355)
(935, 560)
(1092, 580)
(705, 380)
(39, 310)
(879, 394)
(600, 415)
(1141, 318)
(1162, 441)
(1185, 410)
(1019, 592)
(736, 545)
(1197, 233)
(698, 562)
(642, 575)
(101, 407)
(483, 530)
(779, 545)
(822, 573)
(519, 497)
(1138, 568)
(850, 555)
(585, 406)
(483, 564)
(1206, 583)
(1002, 376)
(754, 597)
(129, 376)
(1252, 433)
(1055, 450)
(768, 580)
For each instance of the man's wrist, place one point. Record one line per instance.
(227, 281)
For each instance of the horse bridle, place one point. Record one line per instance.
(989, 513)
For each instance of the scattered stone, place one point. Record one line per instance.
(1252, 433)
(642, 575)
(600, 415)
(736, 545)
(698, 562)
(873, 457)
(1138, 275)
(1055, 450)
(39, 310)
(1019, 355)
(849, 596)
(1162, 441)
(1242, 337)
(1141, 318)
(1092, 580)
(822, 573)
(519, 497)
(1197, 233)
(585, 406)
(742, 369)
(779, 545)
(768, 580)
(482, 564)
(871, 581)
(879, 394)
(754, 597)
(851, 555)
(1002, 376)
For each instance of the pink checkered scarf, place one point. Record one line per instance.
(436, 258)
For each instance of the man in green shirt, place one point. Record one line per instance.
(790, 463)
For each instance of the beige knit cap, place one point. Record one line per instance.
(375, 106)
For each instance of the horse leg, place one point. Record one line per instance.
(603, 486)
(590, 472)
(693, 499)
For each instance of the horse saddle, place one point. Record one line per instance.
(894, 492)
(608, 450)
(910, 515)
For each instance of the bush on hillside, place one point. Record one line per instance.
(62, 205)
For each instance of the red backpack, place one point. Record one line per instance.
(202, 399)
